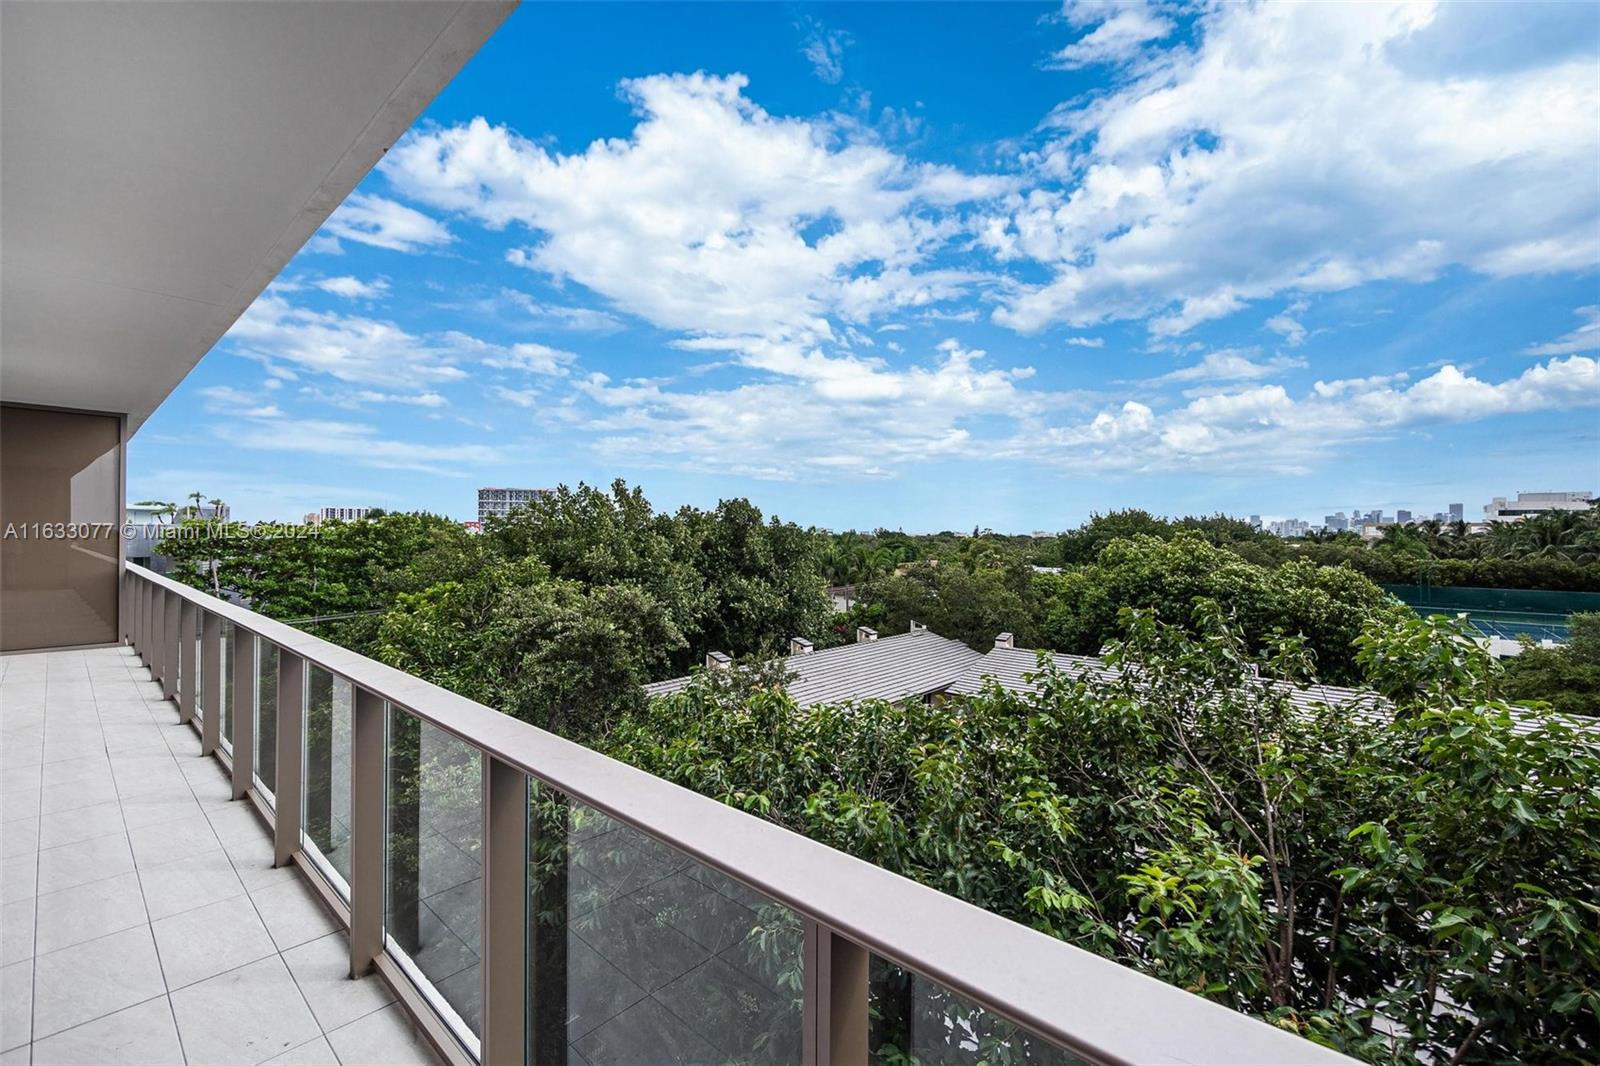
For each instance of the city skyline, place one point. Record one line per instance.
(781, 253)
(497, 500)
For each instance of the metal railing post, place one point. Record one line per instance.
(210, 682)
(158, 638)
(505, 912)
(367, 745)
(125, 606)
(244, 709)
(136, 637)
(835, 1024)
(291, 756)
(187, 673)
(169, 645)
(144, 621)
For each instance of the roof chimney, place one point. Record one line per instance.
(865, 633)
(1005, 640)
(801, 646)
(918, 627)
(718, 660)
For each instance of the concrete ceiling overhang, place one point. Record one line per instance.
(161, 162)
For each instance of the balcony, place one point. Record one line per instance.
(232, 841)
(144, 918)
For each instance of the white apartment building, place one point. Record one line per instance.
(338, 514)
(1531, 503)
(498, 503)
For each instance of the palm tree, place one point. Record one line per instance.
(1503, 540)
(160, 508)
(1431, 531)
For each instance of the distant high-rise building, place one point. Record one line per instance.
(338, 514)
(1402, 517)
(497, 503)
(1456, 512)
(1336, 522)
(1255, 521)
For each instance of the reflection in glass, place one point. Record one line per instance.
(266, 724)
(641, 954)
(327, 771)
(226, 666)
(434, 879)
(915, 1020)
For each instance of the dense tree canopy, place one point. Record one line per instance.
(1327, 606)
(556, 614)
(1412, 888)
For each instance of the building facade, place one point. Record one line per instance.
(1501, 509)
(498, 503)
(338, 514)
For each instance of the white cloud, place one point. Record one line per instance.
(356, 398)
(521, 397)
(384, 223)
(530, 357)
(1262, 428)
(1120, 30)
(229, 400)
(1227, 365)
(558, 316)
(360, 444)
(268, 428)
(353, 288)
(421, 399)
(350, 348)
(1586, 338)
(713, 218)
(824, 49)
(1285, 325)
(1086, 342)
(832, 418)
(1297, 147)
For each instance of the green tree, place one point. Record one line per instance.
(1325, 605)
(973, 600)
(548, 651)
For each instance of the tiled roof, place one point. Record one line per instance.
(890, 668)
(920, 663)
(1011, 668)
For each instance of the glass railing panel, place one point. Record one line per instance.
(198, 663)
(225, 660)
(639, 953)
(266, 724)
(327, 771)
(433, 895)
(912, 1019)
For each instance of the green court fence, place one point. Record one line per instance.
(1538, 613)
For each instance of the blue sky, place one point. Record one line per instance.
(933, 266)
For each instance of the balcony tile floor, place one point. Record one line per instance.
(141, 919)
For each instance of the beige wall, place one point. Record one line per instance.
(60, 527)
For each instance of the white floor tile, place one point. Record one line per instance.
(246, 1015)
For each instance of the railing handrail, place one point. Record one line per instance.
(1094, 1007)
